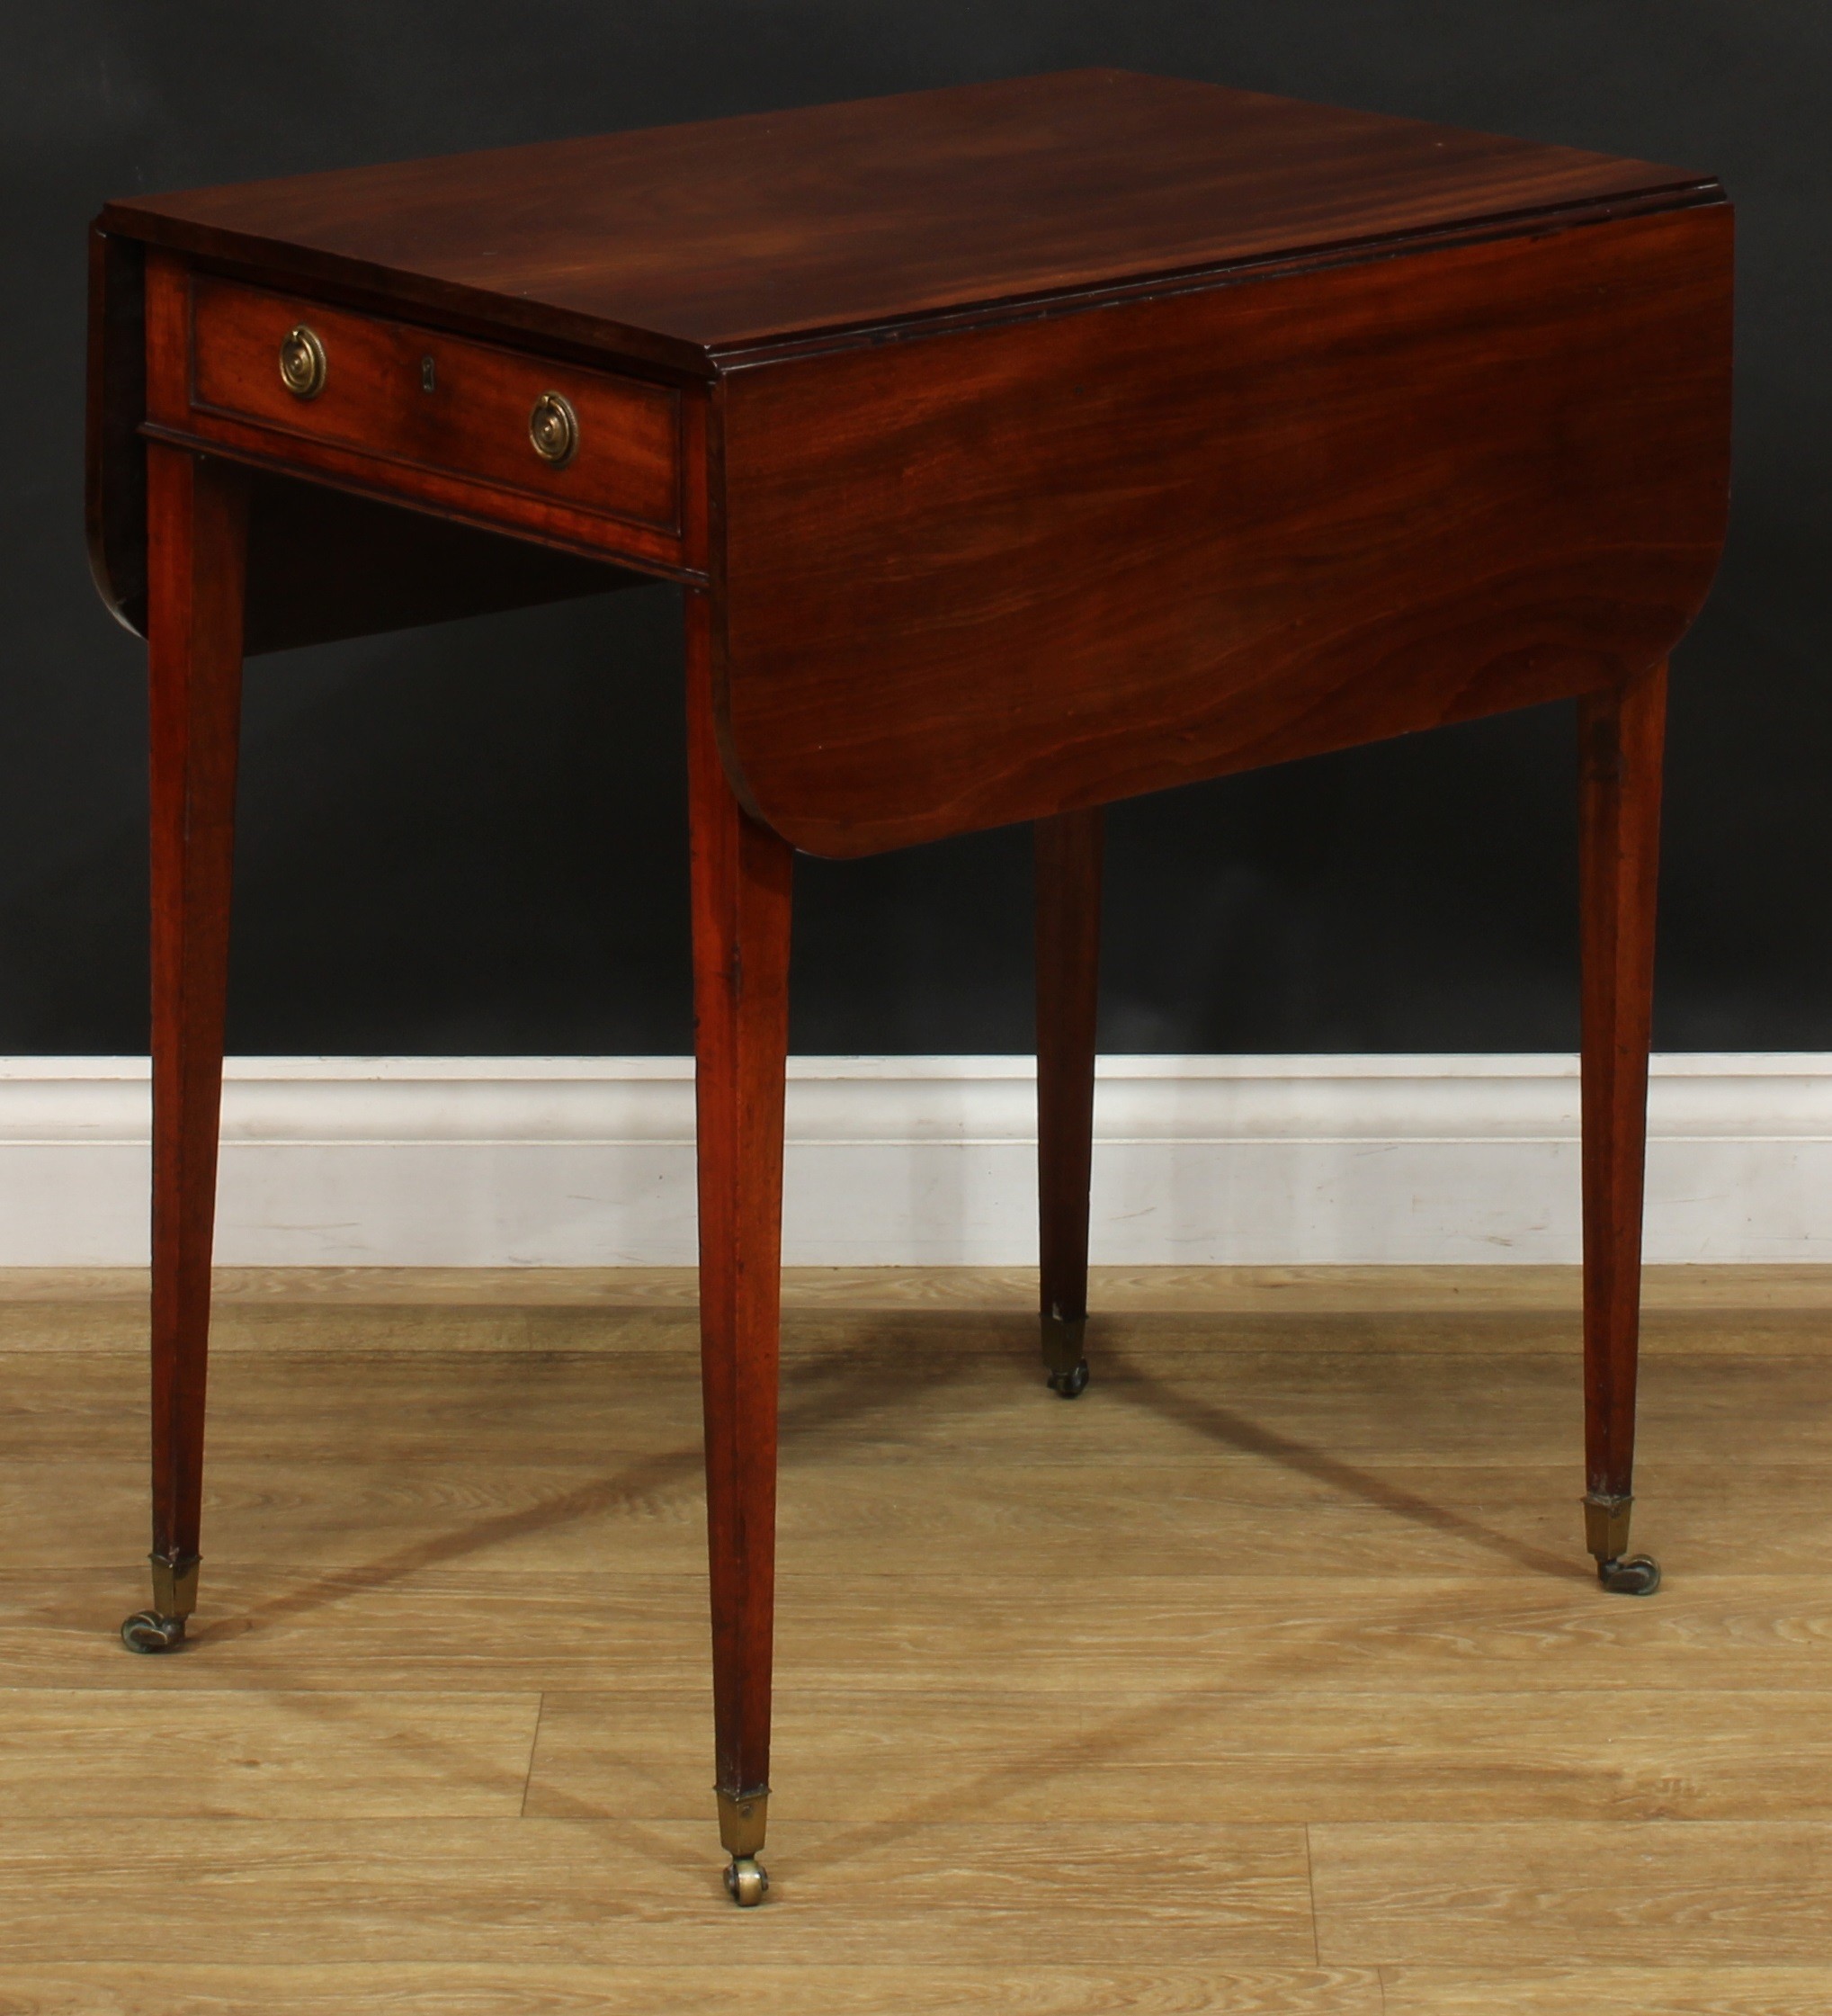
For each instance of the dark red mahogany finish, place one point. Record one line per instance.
(1068, 850)
(196, 693)
(1106, 552)
(1018, 448)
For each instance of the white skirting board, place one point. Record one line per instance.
(566, 1161)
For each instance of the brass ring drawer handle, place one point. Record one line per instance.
(554, 429)
(302, 365)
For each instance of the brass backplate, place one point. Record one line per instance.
(554, 429)
(303, 368)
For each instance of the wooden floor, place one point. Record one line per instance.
(1269, 1676)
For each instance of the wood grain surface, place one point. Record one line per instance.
(1269, 1677)
(409, 395)
(637, 499)
(1000, 574)
(681, 239)
(742, 880)
(301, 587)
(1066, 854)
(678, 251)
(196, 557)
(1621, 738)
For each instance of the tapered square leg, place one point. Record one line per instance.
(1068, 850)
(741, 876)
(1621, 733)
(197, 516)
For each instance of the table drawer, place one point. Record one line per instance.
(588, 440)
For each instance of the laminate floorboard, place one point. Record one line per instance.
(1268, 1677)
(1396, 1518)
(384, 1988)
(539, 1890)
(1551, 1891)
(1608, 1990)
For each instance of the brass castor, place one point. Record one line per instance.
(1071, 1384)
(1607, 1534)
(148, 1631)
(1635, 1574)
(746, 1879)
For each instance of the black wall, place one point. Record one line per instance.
(471, 839)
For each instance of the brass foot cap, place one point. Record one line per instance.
(747, 1880)
(174, 1585)
(1635, 1574)
(742, 1819)
(148, 1631)
(1606, 1525)
(1063, 1340)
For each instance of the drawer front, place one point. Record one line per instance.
(437, 403)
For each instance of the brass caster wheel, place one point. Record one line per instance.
(1069, 1385)
(147, 1631)
(1635, 1574)
(747, 1880)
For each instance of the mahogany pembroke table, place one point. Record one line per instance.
(1017, 448)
